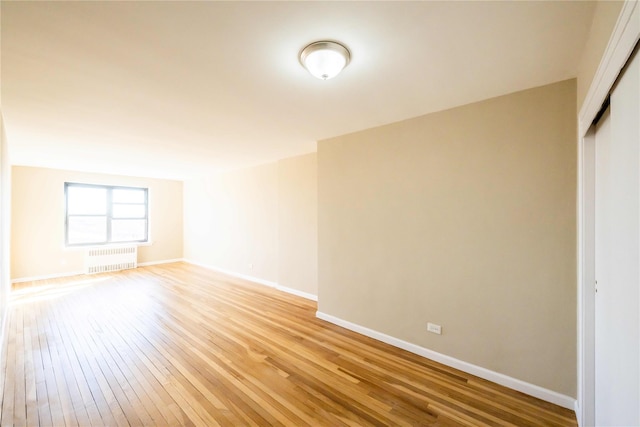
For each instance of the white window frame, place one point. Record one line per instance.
(109, 214)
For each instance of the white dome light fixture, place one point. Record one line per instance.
(325, 59)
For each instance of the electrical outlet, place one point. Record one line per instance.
(250, 266)
(432, 327)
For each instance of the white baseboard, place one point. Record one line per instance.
(578, 412)
(47, 276)
(496, 377)
(3, 325)
(296, 292)
(3, 320)
(256, 280)
(78, 273)
(164, 261)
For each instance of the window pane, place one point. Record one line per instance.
(129, 211)
(87, 229)
(86, 201)
(122, 195)
(128, 230)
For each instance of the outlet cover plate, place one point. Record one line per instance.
(436, 329)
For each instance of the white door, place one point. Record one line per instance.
(617, 256)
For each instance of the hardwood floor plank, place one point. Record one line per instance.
(88, 378)
(20, 391)
(106, 402)
(3, 370)
(178, 345)
(48, 402)
(6, 411)
(31, 354)
(81, 398)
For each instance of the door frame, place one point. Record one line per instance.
(625, 36)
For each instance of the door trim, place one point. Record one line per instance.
(624, 38)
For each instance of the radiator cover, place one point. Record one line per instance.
(103, 260)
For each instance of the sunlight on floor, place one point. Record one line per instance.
(30, 294)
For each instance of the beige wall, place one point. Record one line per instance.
(298, 223)
(37, 240)
(5, 223)
(231, 221)
(259, 222)
(604, 19)
(465, 218)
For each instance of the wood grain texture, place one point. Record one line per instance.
(178, 345)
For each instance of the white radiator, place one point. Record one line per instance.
(102, 260)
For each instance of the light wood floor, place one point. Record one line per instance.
(180, 345)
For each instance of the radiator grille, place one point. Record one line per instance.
(103, 260)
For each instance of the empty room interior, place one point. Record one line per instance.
(320, 213)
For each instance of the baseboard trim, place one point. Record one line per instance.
(496, 377)
(81, 272)
(164, 261)
(47, 276)
(3, 326)
(255, 280)
(296, 292)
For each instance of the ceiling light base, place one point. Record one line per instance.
(325, 59)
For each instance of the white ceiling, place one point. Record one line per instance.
(173, 89)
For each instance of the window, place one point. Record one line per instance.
(100, 214)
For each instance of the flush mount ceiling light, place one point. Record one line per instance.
(325, 59)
